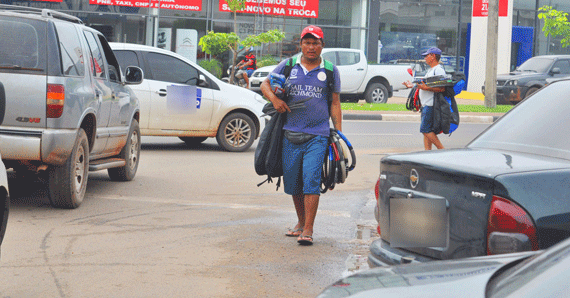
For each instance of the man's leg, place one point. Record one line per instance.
(299, 201)
(431, 138)
(311, 206)
(246, 79)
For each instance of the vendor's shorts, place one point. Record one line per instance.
(303, 165)
(427, 119)
(249, 72)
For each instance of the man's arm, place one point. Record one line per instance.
(423, 86)
(336, 112)
(278, 103)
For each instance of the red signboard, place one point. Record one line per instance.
(481, 8)
(290, 8)
(195, 5)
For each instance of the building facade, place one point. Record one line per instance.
(386, 30)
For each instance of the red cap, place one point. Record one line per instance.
(313, 30)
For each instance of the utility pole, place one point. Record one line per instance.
(492, 46)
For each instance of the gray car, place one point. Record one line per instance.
(68, 109)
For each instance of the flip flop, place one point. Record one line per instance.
(294, 233)
(305, 240)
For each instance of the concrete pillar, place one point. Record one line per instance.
(478, 51)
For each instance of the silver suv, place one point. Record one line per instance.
(68, 109)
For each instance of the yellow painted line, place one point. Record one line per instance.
(471, 95)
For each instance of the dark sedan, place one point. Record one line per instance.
(530, 76)
(520, 275)
(506, 191)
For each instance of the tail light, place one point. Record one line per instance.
(411, 72)
(377, 194)
(509, 229)
(55, 99)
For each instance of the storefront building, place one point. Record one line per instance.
(387, 30)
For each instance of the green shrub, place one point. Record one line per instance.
(213, 66)
(266, 61)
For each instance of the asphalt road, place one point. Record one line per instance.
(193, 223)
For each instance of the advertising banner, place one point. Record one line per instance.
(290, 8)
(481, 8)
(187, 43)
(194, 5)
(164, 38)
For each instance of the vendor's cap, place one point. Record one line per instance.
(433, 50)
(313, 30)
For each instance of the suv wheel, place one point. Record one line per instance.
(236, 132)
(67, 183)
(130, 153)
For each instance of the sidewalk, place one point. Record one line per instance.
(465, 98)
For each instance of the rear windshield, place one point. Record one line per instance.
(538, 125)
(22, 44)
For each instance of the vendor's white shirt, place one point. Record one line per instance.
(426, 97)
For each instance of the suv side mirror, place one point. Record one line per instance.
(202, 82)
(133, 75)
(555, 70)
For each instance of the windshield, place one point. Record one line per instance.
(539, 65)
(539, 276)
(22, 46)
(537, 125)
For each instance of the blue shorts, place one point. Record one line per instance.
(427, 119)
(249, 72)
(303, 165)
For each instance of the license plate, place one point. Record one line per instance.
(418, 222)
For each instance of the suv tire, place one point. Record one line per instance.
(236, 133)
(130, 153)
(67, 183)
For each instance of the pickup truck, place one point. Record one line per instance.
(68, 110)
(358, 79)
(530, 76)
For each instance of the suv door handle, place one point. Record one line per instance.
(360, 69)
(161, 92)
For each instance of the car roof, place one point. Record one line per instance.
(37, 13)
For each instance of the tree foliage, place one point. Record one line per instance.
(217, 43)
(555, 24)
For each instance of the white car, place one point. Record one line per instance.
(258, 76)
(170, 86)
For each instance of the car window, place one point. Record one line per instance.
(539, 65)
(537, 125)
(22, 41)
(98, 66)
(348, 58)
(331, 56)
(126, 58)
(563, 65)
(170, 69)
(71, 53)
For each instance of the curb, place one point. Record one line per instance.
(414, 118)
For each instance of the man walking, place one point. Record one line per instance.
(306, 129)
(427, 94)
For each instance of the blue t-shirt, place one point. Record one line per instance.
(314, 118)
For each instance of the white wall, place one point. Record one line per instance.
(478, 51)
